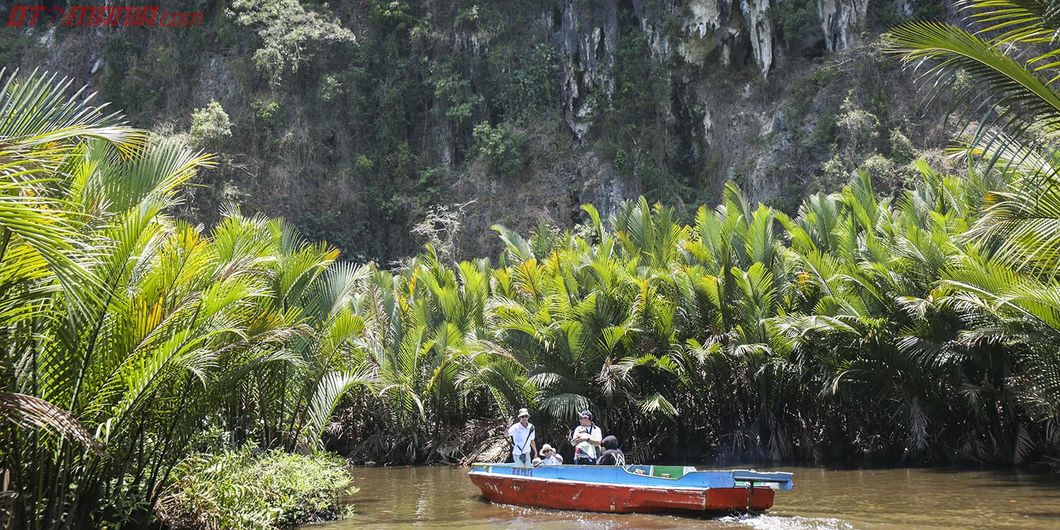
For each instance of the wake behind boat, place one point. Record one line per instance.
(624, 489)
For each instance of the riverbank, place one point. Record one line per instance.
(823, 498)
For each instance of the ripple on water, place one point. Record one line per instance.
(780, 522)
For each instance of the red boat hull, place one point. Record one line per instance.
(565, 495)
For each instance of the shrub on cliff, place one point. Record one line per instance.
(210, 124)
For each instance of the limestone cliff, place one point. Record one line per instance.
(528, 109)
(840, 21)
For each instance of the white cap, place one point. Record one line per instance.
(523, 412)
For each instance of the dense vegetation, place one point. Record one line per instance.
(912, 325)
(126, 331)
(356, 120)
(241, 491)
(864, 328)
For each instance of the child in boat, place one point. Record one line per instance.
(586, 439)
(613, 456)
(549, 456)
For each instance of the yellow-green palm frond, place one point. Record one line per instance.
(946, 53)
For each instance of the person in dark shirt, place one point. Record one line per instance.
(613, 456)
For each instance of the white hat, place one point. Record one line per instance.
(523, 412)
(546, 447)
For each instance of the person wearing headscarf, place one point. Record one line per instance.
(613, 456)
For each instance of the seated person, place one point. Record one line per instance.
(613, 456)
(549, 456)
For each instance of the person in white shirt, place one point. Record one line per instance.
(586, 439)
(549, 456)
(522, 434)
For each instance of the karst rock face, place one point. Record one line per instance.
(840, 20)
(704, 34)
(669, 99)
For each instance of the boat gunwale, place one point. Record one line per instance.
(627, 466)
(788, 478)
(490, 474)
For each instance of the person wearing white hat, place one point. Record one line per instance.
(524, 448)
(549, 456)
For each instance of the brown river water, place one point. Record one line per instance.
(443, 497)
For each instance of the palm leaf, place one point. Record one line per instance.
(32, 412)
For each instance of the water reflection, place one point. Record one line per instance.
(443, 497)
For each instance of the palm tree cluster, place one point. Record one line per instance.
(125, 331)
(1003, 63)
(861, 328)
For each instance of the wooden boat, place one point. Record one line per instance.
(624, 489)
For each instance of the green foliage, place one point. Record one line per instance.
(858, 126)
(633, 127)
(290, 34)
(128, 330)
(140, 81)
(454, 94)
(797, 20)
(524, 81)
(902, 149)
(886, 174)
(392, 15)
(823, 133)
(469, 16)
(502, 147)
(422, 75)
(242, 490)
(330, 88)
(987, 66)
(886, 14)
(638, 80)
(210, 124)
(914, 324)
(843, 332)
(13, 44)
(266, 110)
